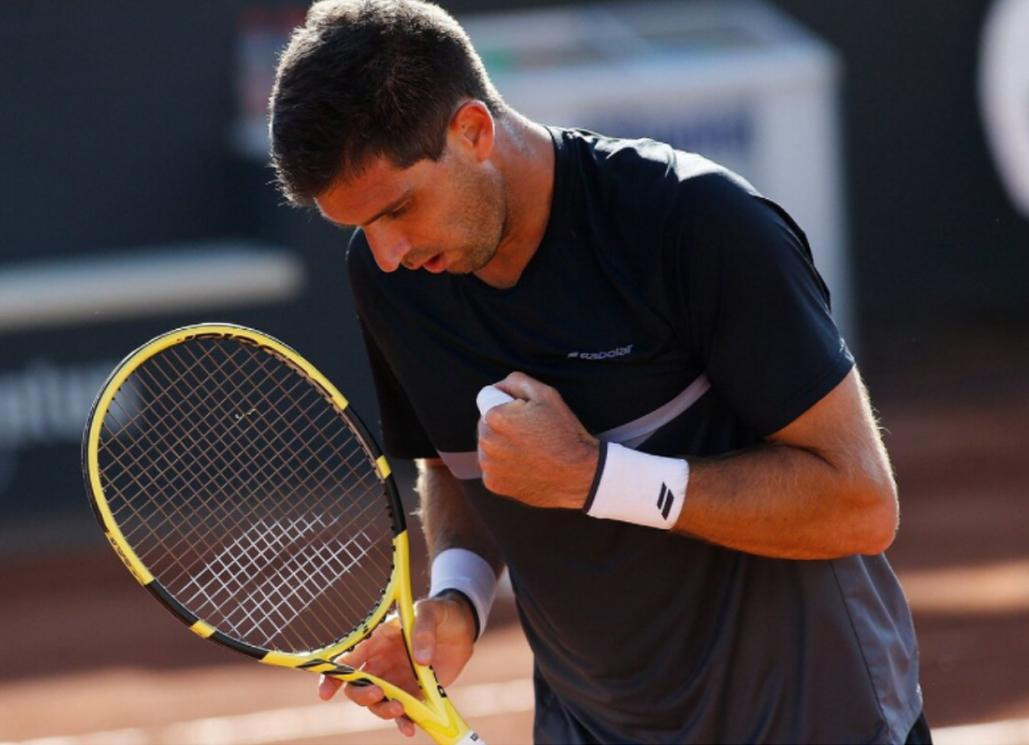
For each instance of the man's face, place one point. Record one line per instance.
(446, 215)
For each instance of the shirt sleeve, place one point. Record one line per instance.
(759, 313)
(402, 432)
(403, 435)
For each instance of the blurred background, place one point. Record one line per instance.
(135, 196)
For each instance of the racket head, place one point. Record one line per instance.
(185, 463)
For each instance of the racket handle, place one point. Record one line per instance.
(489, 397)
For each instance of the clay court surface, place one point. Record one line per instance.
(90, 659)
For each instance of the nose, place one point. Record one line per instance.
(388, 250)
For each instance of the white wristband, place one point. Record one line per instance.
(636, 487)
(468, 573)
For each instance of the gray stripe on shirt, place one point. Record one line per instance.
(465, 466)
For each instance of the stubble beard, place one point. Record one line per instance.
(486, 224)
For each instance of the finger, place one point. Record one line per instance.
(520, 385)
(327, 687)
(423, 634)
(380, 642)
(356, 656)
(397, 672)
(387, 709)
(483, 428)
(489, 443)
(406, 726)
(363, 695)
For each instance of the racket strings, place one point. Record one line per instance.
(163, 442)
(247, 495)
(249, 569)
(178, 505)
(221, 445)
(282, 592)
(366, 477)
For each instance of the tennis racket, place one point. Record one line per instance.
(238, 487)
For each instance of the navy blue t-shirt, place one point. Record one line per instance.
(677, 312)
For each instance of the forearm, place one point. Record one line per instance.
(448, 521)
(821, 487)
(787, 502)
(452, 529)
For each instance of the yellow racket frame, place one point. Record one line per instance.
(435, 714)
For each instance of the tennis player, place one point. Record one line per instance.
(689, 489)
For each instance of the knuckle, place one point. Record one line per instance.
(383, 710)
(363, 695)
(490, 447)
(492, 480)
(354, 695)
(495, 422)
(424, 632)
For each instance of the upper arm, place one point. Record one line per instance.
(840, 429)
(758, 313)
(837, 426)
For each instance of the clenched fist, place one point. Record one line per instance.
(534, 449)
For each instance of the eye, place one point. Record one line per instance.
(393, 214)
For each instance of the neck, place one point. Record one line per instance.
(525, 157)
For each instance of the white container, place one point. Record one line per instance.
(738, 82)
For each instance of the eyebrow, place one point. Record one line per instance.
(388, 208)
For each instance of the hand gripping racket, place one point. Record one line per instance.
(237, 486)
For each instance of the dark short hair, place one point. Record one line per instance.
(366, 78)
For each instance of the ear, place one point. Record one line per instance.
(472, 130)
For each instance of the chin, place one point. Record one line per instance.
(481, 260)
(467, 265)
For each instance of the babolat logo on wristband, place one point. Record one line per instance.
(665, 498)
(625, 484)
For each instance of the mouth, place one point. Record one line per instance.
(435, 264)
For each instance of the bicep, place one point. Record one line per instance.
(840, 428)
(759, 316)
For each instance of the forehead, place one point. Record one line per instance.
(361, 197)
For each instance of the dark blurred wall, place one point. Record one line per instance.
(116, 118)
(937, 246)
(114, 124)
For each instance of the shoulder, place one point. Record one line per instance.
(659, 198)
(648, 173)
(654, 209)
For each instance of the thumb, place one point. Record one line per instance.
(521, 386)
(327, 687)
(423, 634)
